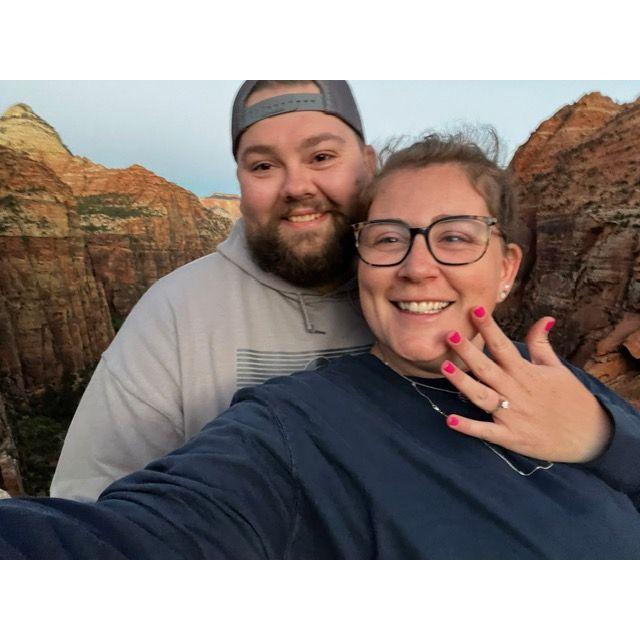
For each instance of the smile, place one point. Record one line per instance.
(422, 306)
(306, 217)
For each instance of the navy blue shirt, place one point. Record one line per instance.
(347, 462)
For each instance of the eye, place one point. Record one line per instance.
(453, 238)
(322, 157)
(261, 166)
(387, 239)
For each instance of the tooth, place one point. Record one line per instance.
(424, 306)
(305, 218)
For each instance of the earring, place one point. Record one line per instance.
(503, 294)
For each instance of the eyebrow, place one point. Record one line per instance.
(323, 137)
(440, 216)
(305, 144)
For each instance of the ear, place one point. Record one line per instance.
(511, 259)
(370, 159)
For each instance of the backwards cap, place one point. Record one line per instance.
(335, 98)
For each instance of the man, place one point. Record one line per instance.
(276, 297)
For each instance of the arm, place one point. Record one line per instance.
(131, 411)
(229, 493)
(618, 464)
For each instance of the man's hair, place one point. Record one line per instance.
(478, 158)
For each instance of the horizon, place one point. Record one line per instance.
(116, 123)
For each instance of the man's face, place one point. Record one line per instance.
(300, 175)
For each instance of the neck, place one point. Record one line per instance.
(426, 369)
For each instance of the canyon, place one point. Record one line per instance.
(79, 244)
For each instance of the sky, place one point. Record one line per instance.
(181, 129)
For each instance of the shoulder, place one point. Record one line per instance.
(190, 278)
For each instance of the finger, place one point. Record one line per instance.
(537, 340)
(482, 396)
(483, 367)
(502, 349)
(489, 431)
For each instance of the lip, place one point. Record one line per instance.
(299, 224)
(420, 317)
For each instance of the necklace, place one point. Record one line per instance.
(437, 409)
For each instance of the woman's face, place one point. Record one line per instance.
(414, 342)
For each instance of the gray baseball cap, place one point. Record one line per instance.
(335, 98)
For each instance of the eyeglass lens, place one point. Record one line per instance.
(451, 241)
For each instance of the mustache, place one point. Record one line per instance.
(316, 205)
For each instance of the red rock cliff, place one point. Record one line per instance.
(80, 244)
(54, 316)
(579, 176)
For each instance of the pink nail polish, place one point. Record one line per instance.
(449, 367)
(549, 325)
(455, 337)
(479, 312)
(452, 421)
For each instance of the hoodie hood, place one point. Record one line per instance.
(236, 249)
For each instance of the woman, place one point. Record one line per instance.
(370, 456)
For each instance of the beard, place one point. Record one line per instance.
(330, 263)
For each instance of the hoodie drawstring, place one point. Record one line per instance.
(308, 325)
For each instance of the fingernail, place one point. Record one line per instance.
(455, 337)
(448, 366)
(479, 312)
(452, 421)
(549, 325)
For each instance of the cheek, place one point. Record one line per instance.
(373, 285)
(257, 202)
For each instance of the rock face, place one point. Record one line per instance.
(23, 130)
(138, 226)
(579, 181)
(54, 316)
(223, 204)
(79, 244)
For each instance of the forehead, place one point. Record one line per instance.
(419, 195)
(294, 131)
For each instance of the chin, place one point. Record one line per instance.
(428, 360)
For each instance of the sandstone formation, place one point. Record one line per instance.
(54, 316)
(23, 130)
(223, 204)
(579, 180)
(79, 245)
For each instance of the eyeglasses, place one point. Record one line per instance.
(453, 240)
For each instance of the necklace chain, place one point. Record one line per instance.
(437, 409)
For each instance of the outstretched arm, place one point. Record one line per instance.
(228, 493)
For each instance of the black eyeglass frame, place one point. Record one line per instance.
(424, 231)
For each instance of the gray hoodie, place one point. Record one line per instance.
(195, 337)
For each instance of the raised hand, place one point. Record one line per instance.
(548, 414)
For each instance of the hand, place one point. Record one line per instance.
(551, 415)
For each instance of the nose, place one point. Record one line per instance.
(419, 264)
(298, 183)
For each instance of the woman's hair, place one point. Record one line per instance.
(478, 158)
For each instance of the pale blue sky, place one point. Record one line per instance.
(180, 129)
